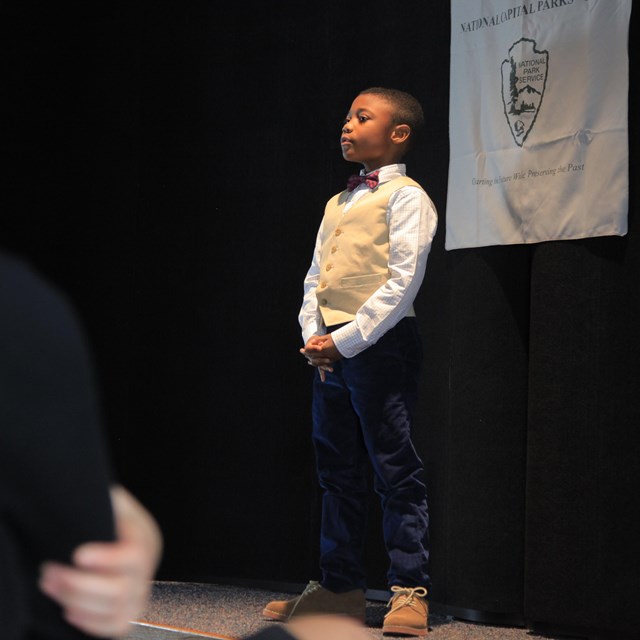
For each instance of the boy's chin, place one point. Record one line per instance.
(349, 156)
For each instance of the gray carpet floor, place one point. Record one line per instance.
(232, 612)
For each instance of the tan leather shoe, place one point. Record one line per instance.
(279, 609)
(409, 614)
(316, 600)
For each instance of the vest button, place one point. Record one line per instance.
(329, 267)
(323, 302)
(334, 249)
(338, 232)
(323, 285)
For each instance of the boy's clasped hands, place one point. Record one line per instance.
(321, 352)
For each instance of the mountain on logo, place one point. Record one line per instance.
(529, 89)
(520, 106)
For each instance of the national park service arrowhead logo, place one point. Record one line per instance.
(524, 77)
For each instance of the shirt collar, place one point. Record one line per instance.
(388, 172)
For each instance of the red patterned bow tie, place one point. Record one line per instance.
(370, 180)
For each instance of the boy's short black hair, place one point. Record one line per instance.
(406, 109)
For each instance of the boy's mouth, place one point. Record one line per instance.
(345, 141)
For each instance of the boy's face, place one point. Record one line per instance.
(369, 135)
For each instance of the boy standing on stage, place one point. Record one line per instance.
(361, 334)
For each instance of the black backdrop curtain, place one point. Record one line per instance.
(169, 165)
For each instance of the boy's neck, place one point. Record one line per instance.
(377, 167)
(382, 163)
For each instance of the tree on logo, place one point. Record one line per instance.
(513, 80)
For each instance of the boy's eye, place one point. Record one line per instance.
(363, 118)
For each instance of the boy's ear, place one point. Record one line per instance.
(400, 133)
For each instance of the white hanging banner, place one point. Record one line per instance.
(538, 121)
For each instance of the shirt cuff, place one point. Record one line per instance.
(348, 340)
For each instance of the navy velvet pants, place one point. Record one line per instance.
(363, 415)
